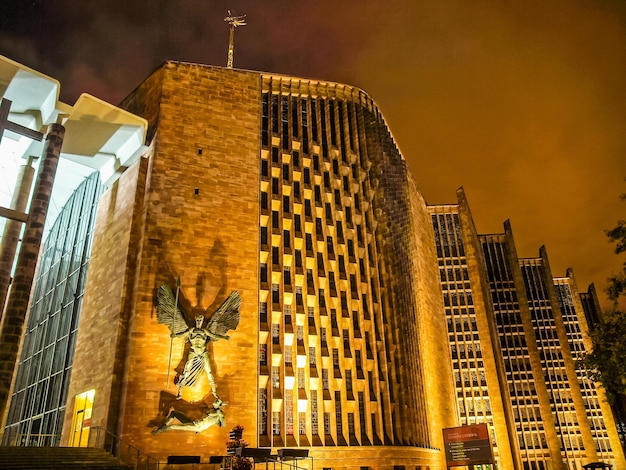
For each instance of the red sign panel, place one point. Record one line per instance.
(467, 445)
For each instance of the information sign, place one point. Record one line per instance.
(467, 445)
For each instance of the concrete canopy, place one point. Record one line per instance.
(99, 136)
(102, 136)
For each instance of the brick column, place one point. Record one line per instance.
(13, 228)
(19, 295)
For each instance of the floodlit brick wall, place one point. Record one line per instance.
(198, 221)
(101, 341)
(421, 389)
(432, 341)
(200, 224)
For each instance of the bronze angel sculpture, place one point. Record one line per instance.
(225, 318)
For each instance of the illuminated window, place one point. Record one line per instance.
(342, 267)
(312, 356)
(288, 356)
(294, 117)
(301, 379)
(338, 416)
(276, 423)
(262, 411)
(357, 360)
(302, 423)
(265, 120)
(314, 423)
(305, 127)
(362, 411)
(289, 414)
(276, 377)
(329, 244)
(327, 423)
(274, 114)
(275, 333)
(349, 380)
(351, 428)
(324, 379)
(263, 354)
(275, 293)
(314, 120)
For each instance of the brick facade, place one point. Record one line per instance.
(188, 209)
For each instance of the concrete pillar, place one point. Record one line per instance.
(19, 294)
(12, 229)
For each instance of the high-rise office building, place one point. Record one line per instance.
(369, 320)
(542, 408)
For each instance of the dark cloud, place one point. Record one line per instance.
(521, 103)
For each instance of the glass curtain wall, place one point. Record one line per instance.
(40, 392)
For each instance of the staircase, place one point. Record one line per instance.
(58, 458)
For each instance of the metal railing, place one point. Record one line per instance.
(137, 460)
(122, 450)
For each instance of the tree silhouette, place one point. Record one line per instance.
(606, 363)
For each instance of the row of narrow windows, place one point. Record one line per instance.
(448, 236)
(284, 380)
(572, 327)
(458, 303)
(320, 417)
(511, 335)
(318, 260)
(514, 346)
(498, 269)
(308, 120)
(550, 352)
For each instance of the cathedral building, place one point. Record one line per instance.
(364, 322)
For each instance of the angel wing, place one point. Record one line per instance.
(227, 316)
(168, 313)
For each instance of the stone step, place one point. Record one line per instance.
(57, 458)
